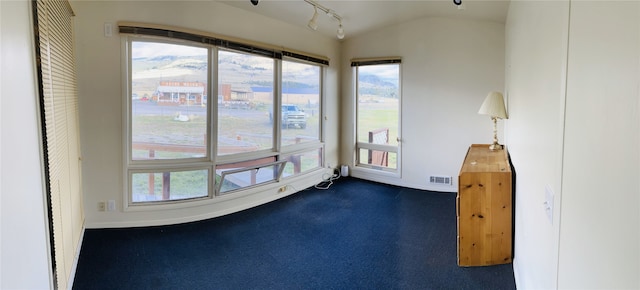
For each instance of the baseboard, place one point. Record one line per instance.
(516, 274)
(394, 179)
(222, 206)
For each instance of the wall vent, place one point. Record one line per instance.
(437, 179)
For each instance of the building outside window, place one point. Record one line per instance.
(181, 147)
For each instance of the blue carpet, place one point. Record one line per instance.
(355, 235)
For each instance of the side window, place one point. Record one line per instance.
(378, 115)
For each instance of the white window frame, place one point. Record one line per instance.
(159, 165)
(318, 144)
(211, 158)
(369, 169)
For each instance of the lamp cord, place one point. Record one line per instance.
(328, 181)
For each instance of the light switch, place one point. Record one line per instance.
(108, 29)
(548, 202)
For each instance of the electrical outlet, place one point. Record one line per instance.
(111, 205)
(101, 206)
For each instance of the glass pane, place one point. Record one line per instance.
(378, 103)
(233, 181)
(378, 158)
(300, 111)
(168, 101)
(162, 186)
(245, 102)
(302, 162)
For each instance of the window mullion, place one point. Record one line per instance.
(277, 104)
(212, 107)
(212, 101)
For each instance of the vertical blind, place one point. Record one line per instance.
(59, 110)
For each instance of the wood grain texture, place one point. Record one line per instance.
(484, 208)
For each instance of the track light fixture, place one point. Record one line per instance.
(313, 23)
(340, 32)
(255, 2)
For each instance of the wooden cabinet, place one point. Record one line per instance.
(484, 208)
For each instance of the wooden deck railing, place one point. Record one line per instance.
(152, 148)
(379, 136)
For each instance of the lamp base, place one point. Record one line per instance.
(495, 146)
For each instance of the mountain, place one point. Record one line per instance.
(373, 85)
(374, 80)
(240, 69)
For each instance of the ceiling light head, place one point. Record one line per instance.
(340, 32)
(255, 2)
(313, 23)
(457, 2)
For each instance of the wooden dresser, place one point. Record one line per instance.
(484, 208)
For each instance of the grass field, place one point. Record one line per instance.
(243, 127)
(375, 114)
(252, 128)
(184, 184)
(372, 117)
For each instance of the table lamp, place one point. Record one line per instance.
(493, 106)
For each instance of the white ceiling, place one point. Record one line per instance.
(360, 16)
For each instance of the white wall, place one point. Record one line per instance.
(24, 244)
(100, 97)
(600, 216)
(448, 68)
(536, 48)
(573, 72)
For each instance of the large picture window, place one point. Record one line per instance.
(245, 102)
(378, 114)
(209, 118)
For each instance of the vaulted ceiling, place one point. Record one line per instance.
(361, 16)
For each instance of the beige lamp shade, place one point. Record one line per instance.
(493, 106)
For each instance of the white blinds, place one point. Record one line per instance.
(58, 93)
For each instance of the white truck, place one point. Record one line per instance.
(292, 117)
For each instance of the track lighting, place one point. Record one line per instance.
(255, 2)
(340, 33)
(313, 23)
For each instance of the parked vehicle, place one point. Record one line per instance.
(292, 116)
